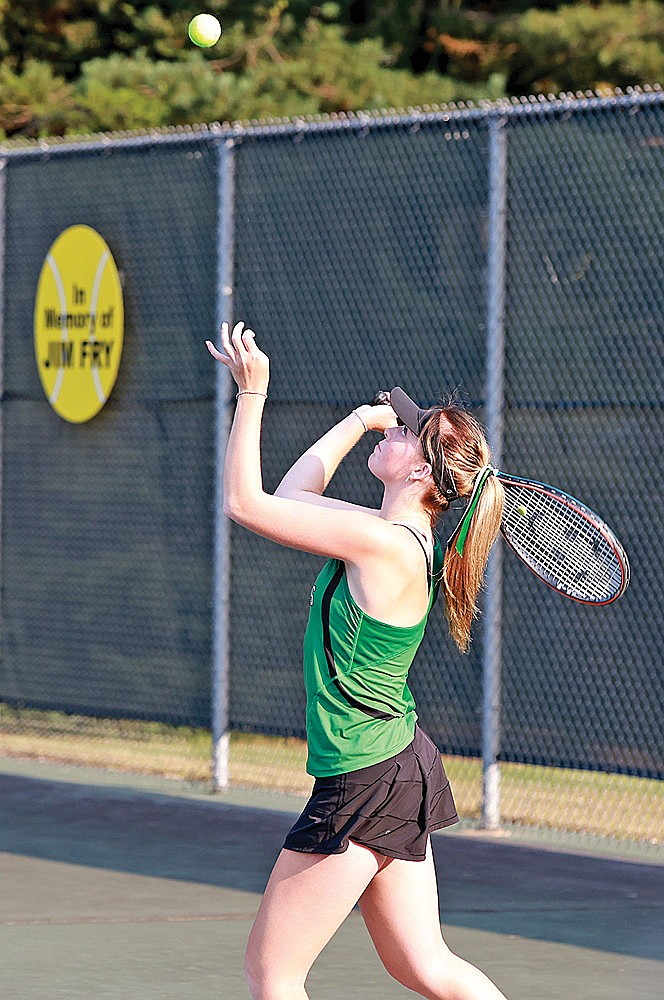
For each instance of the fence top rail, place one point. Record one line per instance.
(533, 106)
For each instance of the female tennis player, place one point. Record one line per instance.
(380, 787)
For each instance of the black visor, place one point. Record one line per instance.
(415, 419)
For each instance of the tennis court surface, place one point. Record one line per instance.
(115, 886)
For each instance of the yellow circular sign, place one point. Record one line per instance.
(79, 324)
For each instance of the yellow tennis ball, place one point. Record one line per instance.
(204, 30)
(521, 510)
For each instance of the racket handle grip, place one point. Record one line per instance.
(381, 398)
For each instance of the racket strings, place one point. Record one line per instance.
(561, 544)
(564, 541)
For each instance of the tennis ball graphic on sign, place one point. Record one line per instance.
(78, 324)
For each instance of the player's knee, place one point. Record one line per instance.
(429, 976)
(266, 980)
(255, 971)
(403, 971)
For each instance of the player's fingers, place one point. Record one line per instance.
(249, 340)
(244, 341)
(216, 353)
(226, 341)
(236, 337)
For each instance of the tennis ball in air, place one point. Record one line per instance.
(521, 510)
(204, 30)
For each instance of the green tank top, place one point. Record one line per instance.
(359, 707)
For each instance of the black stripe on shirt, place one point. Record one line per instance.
(329, 655)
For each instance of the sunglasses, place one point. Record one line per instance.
(440, 471)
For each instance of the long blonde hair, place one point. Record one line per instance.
(466, 451)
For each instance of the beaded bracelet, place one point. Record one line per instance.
(361, 419)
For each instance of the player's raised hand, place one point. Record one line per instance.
(249, 366)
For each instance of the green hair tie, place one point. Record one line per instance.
(464, 526)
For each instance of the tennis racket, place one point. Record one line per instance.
(381, 398)
(563, 542)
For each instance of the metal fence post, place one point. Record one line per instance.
(492, 653)
(222, 533)
(3, 240)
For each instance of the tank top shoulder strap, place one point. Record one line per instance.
(421, 538)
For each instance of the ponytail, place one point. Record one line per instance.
(462, 439)
(463, 442)
(463, 574)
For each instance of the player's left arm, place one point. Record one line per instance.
(322, 527)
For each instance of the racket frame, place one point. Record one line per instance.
(591, 517)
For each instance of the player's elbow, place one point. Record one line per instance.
(244, 510)
(234, 509)
(229, 509)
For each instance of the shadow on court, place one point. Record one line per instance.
(112, 890)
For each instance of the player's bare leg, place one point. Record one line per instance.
(400, 909)
(307, 898)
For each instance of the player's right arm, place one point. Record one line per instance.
(310, 475)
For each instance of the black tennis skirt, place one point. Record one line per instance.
(390, 807)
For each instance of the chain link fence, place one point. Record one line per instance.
(583, 390)
(106, 534)
(360, 250)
